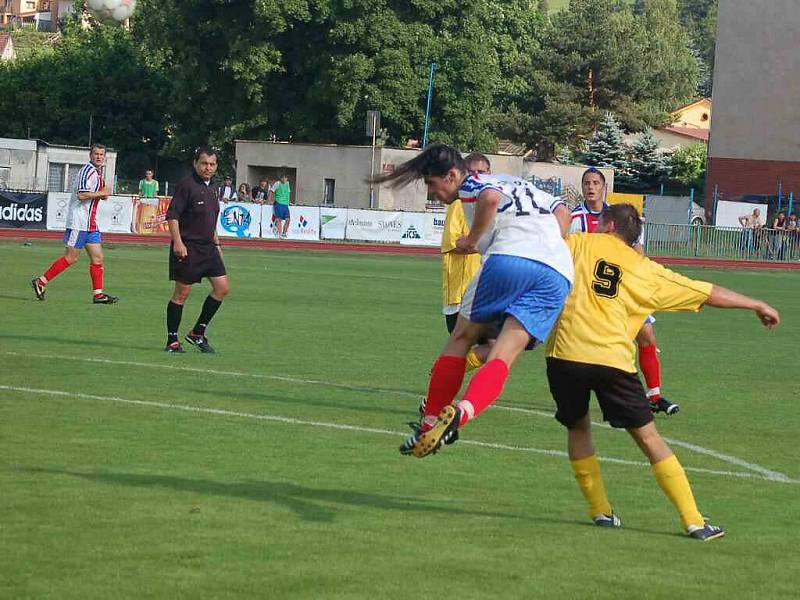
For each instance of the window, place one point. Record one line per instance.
(72, 175)
(5, 177)
(328, 192)
(55, 177)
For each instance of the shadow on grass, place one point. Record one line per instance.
(308, 503)
(71, 341)
(25, 298)
(409, 413)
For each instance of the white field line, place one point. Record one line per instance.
(355, 428)
(755, 468)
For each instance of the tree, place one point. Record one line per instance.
(606, 149)
(648, 165)
(688, 164)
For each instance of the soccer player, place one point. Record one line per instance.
(195, 251)
(148, 187)
(522, 284)
(590, 350)
(585, 218)
(280, 194)
(82, 231)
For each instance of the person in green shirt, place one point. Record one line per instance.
(148, 187)
(281, 194)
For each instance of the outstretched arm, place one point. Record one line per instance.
(724, 298)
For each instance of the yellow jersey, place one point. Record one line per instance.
(457, 269)
(614, 290)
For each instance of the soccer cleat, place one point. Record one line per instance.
(200, 341)
(407, 447)
(174, 347)
(705, 533)
(445, 430)
(38, 288)
(611, 520)
(665, 406)
(104, 299)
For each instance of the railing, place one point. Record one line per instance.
(702, 241)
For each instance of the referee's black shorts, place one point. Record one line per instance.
(620, 394)
(203, 260)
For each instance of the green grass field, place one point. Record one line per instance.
(270, 470)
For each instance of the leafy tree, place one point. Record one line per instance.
(688, 164)
(648, 164)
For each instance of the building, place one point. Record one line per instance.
(7, 47)
(755, 148)
(690, 125)
(34, 165)
(333, 175)
(26, 12)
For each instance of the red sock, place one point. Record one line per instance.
(447, 376)
(96, 273)
(485, 387)
(651, 369)
(57, 267)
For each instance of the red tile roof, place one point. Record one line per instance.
(690, 132)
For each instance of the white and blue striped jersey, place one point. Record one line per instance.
(525, 225)
(82, 215)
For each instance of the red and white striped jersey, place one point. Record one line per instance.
(82, 215)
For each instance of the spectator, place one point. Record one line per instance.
(261, 192)
(280, 193)
(148, 187)
(777, 237)
(791, 223)
(750, 224)
(243, 193)
(226, 193)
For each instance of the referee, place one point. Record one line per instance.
(195, 251)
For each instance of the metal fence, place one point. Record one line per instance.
(703, 241)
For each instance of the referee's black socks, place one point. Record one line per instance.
(174, 312)
(210, 307)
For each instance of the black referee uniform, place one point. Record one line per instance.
(195, 206)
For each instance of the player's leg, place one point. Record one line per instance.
(673, 482)
(286, 225)
(278, 226)
(174, 313)
(72, 245)
(570, 385)
(95, 251)
(651, 369)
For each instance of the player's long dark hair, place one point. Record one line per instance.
(435, 161)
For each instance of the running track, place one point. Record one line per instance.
(268, 244)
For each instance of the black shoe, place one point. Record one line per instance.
(174, 347)
(706, 533)
(200, 341)
(444, 432)
(38, 288)
(104, 299)
(665, 406)
(407, 447)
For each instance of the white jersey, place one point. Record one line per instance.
(82, 215)
(525, 225)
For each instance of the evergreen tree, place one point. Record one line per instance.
(648, 165)
(543, 6)
(606, 149)
(565, 156)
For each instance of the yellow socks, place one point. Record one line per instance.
(587, 474)
(473, 362)
(671, 478)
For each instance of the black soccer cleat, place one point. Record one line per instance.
(444, 432)
(38, 288)
(407, 447)
(665, 406)
(200, 341)
(174, 347)
(104, 299)
(706, 533)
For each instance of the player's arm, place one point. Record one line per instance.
(721, 297)
(564, 218)
(485, 211)
(176, 207)
(84, 195)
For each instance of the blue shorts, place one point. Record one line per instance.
(528, 290)
(280, 211)
(78, 239)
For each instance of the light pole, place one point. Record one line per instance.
(428, 108)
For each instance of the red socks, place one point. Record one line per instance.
(447, 376)
(96, 273)
(651, 369)
(57, 267)
(485, 387)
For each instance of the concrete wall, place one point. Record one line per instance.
(754, 130)
(308, 165)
